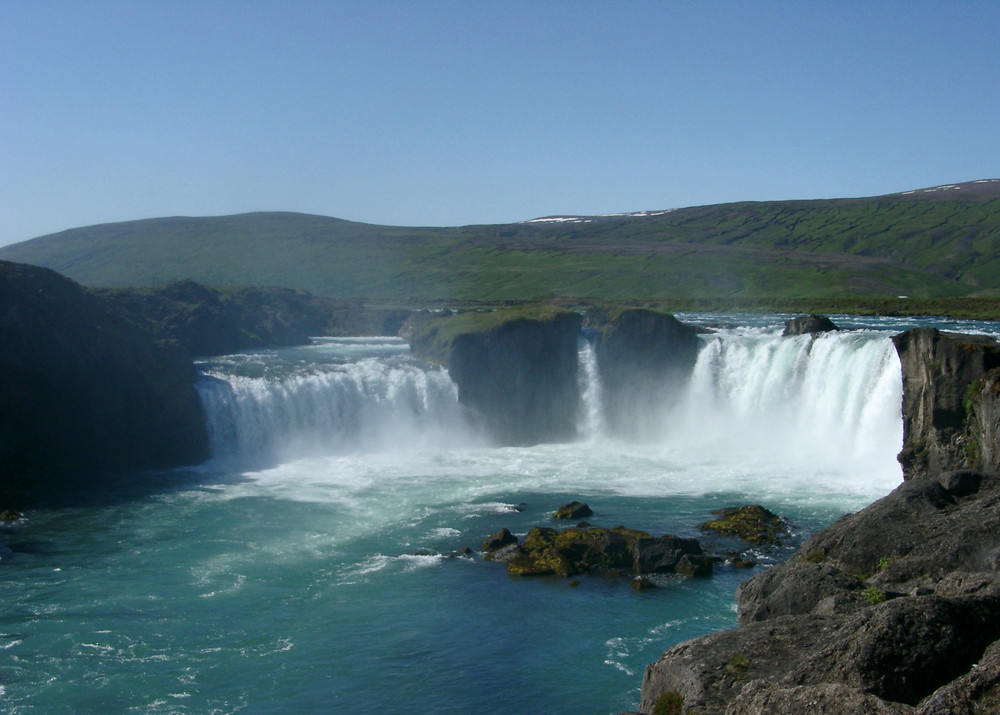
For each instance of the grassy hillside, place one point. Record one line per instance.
(924, 244)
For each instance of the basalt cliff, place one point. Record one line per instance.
(84, 392)
(950, 388)
(215, 321)
(644, 358)
(895, 609)
(516, 370)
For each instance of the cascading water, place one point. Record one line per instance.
(831, 399)
(811, 402)
(343, 395)
(590, 421)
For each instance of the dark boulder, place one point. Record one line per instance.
(806, 324)
(667, 555)
(695, 566)
(642, 583)
(974, 693)
(499, 540)
(573, 510)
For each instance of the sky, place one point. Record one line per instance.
(463, 112)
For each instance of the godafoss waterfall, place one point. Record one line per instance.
(316, 563)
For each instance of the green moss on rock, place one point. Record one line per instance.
(753, 524)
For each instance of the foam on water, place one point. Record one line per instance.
(761, 414)
(329, 398)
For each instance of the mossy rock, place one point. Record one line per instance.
(573, 510)
(497, 541)
(669, 703)
(542, 563)
(752, 523)
(540, 538)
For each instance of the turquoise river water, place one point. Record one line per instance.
(308, 566)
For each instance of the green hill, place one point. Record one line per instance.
(940, 242)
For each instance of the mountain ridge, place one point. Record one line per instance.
(934, 242)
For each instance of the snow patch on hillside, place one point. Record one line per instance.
(592, 219)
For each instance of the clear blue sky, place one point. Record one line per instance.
(449, 113)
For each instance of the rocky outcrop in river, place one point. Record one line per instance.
(516, 370)
(808, 324)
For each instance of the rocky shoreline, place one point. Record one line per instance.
(895, 609)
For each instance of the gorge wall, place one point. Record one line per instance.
(84, 392)
(644, 358)
(950, 387)
(212, 321)
(97, 382)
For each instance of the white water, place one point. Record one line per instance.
(830, 401)
(761, 413)
(590, 421)
(342, 396)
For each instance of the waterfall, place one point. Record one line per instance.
(753, 396)
(833, 398)
(590, 420)
(314, 404)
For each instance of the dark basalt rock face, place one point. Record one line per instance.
(951, 401)
(895, 609)
(85, 393)
(210, 321)
(516, 371)
(812, 323)
(644, 358)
